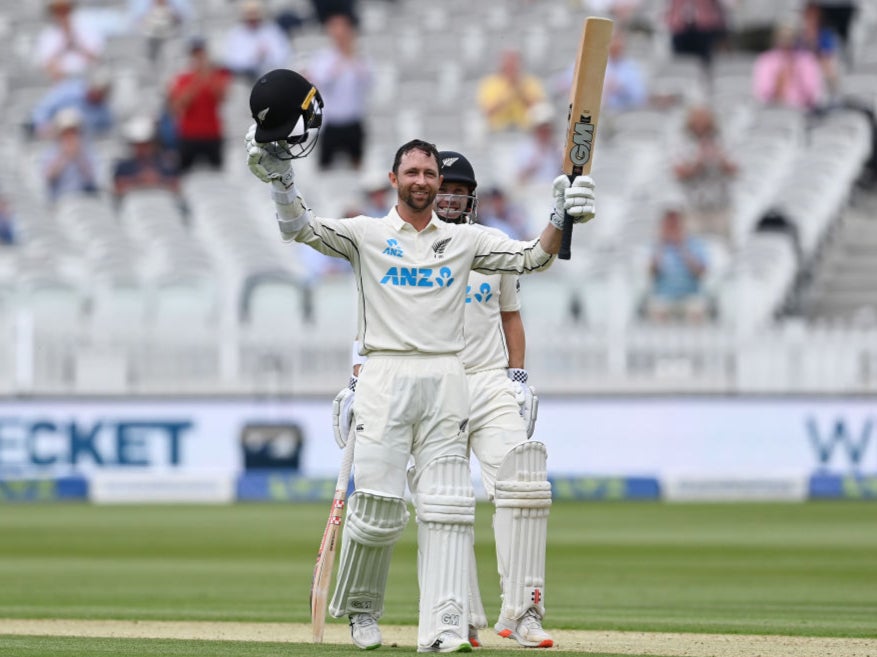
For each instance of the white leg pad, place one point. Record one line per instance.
(373, 525)
(445, 504)
(523, 500)
(477, 615)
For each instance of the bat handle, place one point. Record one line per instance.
(566, 237)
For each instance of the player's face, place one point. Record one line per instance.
(418, 180)
(452, 201)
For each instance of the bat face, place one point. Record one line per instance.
(586, 94)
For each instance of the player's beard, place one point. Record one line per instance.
(406, 195)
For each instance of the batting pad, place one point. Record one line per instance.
(477, 615)
(520, 525)
(445, 504)
(374, 523)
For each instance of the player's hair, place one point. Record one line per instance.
(416, 145)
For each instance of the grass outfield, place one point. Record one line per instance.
(786, 569)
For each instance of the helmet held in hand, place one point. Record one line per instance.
(288, 111)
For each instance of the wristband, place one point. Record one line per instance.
(518, 374)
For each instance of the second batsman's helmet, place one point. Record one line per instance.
(288, 110)
(456, 208)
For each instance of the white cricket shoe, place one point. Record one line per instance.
(364, 631)
(447, 641)
(526, 630)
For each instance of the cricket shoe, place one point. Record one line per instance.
(448, 641)
(526, 630)
(473, 637)
(364, 631)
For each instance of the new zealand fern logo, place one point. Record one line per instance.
(439, 246)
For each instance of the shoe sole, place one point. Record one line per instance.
(463, 647)
(508, 634)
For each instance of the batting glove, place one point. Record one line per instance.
(526, 398)
(576, 199)
(342, 412)
(265, 162)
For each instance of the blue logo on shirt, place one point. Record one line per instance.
(418, 277)
(483, 295)
(393, 248)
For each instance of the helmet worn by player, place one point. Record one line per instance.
(456, 208)
(288, 111)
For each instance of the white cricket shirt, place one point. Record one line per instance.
(412, 285)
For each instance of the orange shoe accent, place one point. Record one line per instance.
(505, 634)
(548, 643)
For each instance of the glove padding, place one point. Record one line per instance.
(342, 412)
(265, 162)
(576, 199)
(526, 398)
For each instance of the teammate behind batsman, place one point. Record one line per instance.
(502, 412)
(412, 398)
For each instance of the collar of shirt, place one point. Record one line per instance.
(400, 224)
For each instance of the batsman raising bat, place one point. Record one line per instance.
(412, 396)
(502, 415)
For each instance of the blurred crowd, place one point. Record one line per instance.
(798, 63)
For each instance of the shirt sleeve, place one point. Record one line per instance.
(332, 237)
(497, 254)
(508, 293)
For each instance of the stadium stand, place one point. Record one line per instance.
(153, 296)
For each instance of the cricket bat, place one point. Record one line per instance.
(585, 96)
(329, 545)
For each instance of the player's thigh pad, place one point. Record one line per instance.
(445, 505)
(523, 500)
(373, 525)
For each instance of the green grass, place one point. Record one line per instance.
(798, 569)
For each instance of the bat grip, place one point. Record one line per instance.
(566, 237)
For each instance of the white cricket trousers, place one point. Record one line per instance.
(495, 423)
(407, 405)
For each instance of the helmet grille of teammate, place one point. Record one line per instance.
(457, 208)
(288, 111)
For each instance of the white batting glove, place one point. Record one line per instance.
(266, 164)
(526, 398)
(342, 412)
(576, 199)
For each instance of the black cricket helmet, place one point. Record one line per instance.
(457, 208)
(288, 110)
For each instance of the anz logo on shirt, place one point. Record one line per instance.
(393, 248)
(418, 277)
(483, 295)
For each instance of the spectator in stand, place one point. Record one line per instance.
(838, 15)
(255, 45)
(624, 86)
(497, 210)
(325, 9)
(196, 96)
(344, 77)
(7, 223)
(539, 156)
(68, 45)
(145, 166)
(706, 171)
(159, 21)
(677, 268)
(788, 74)
(90, 95)
(697, 27)
(506, 97)
(823, 42)
(70, 164)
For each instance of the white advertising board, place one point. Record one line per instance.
(657, 437)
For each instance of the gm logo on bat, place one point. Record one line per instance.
(582, 141)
